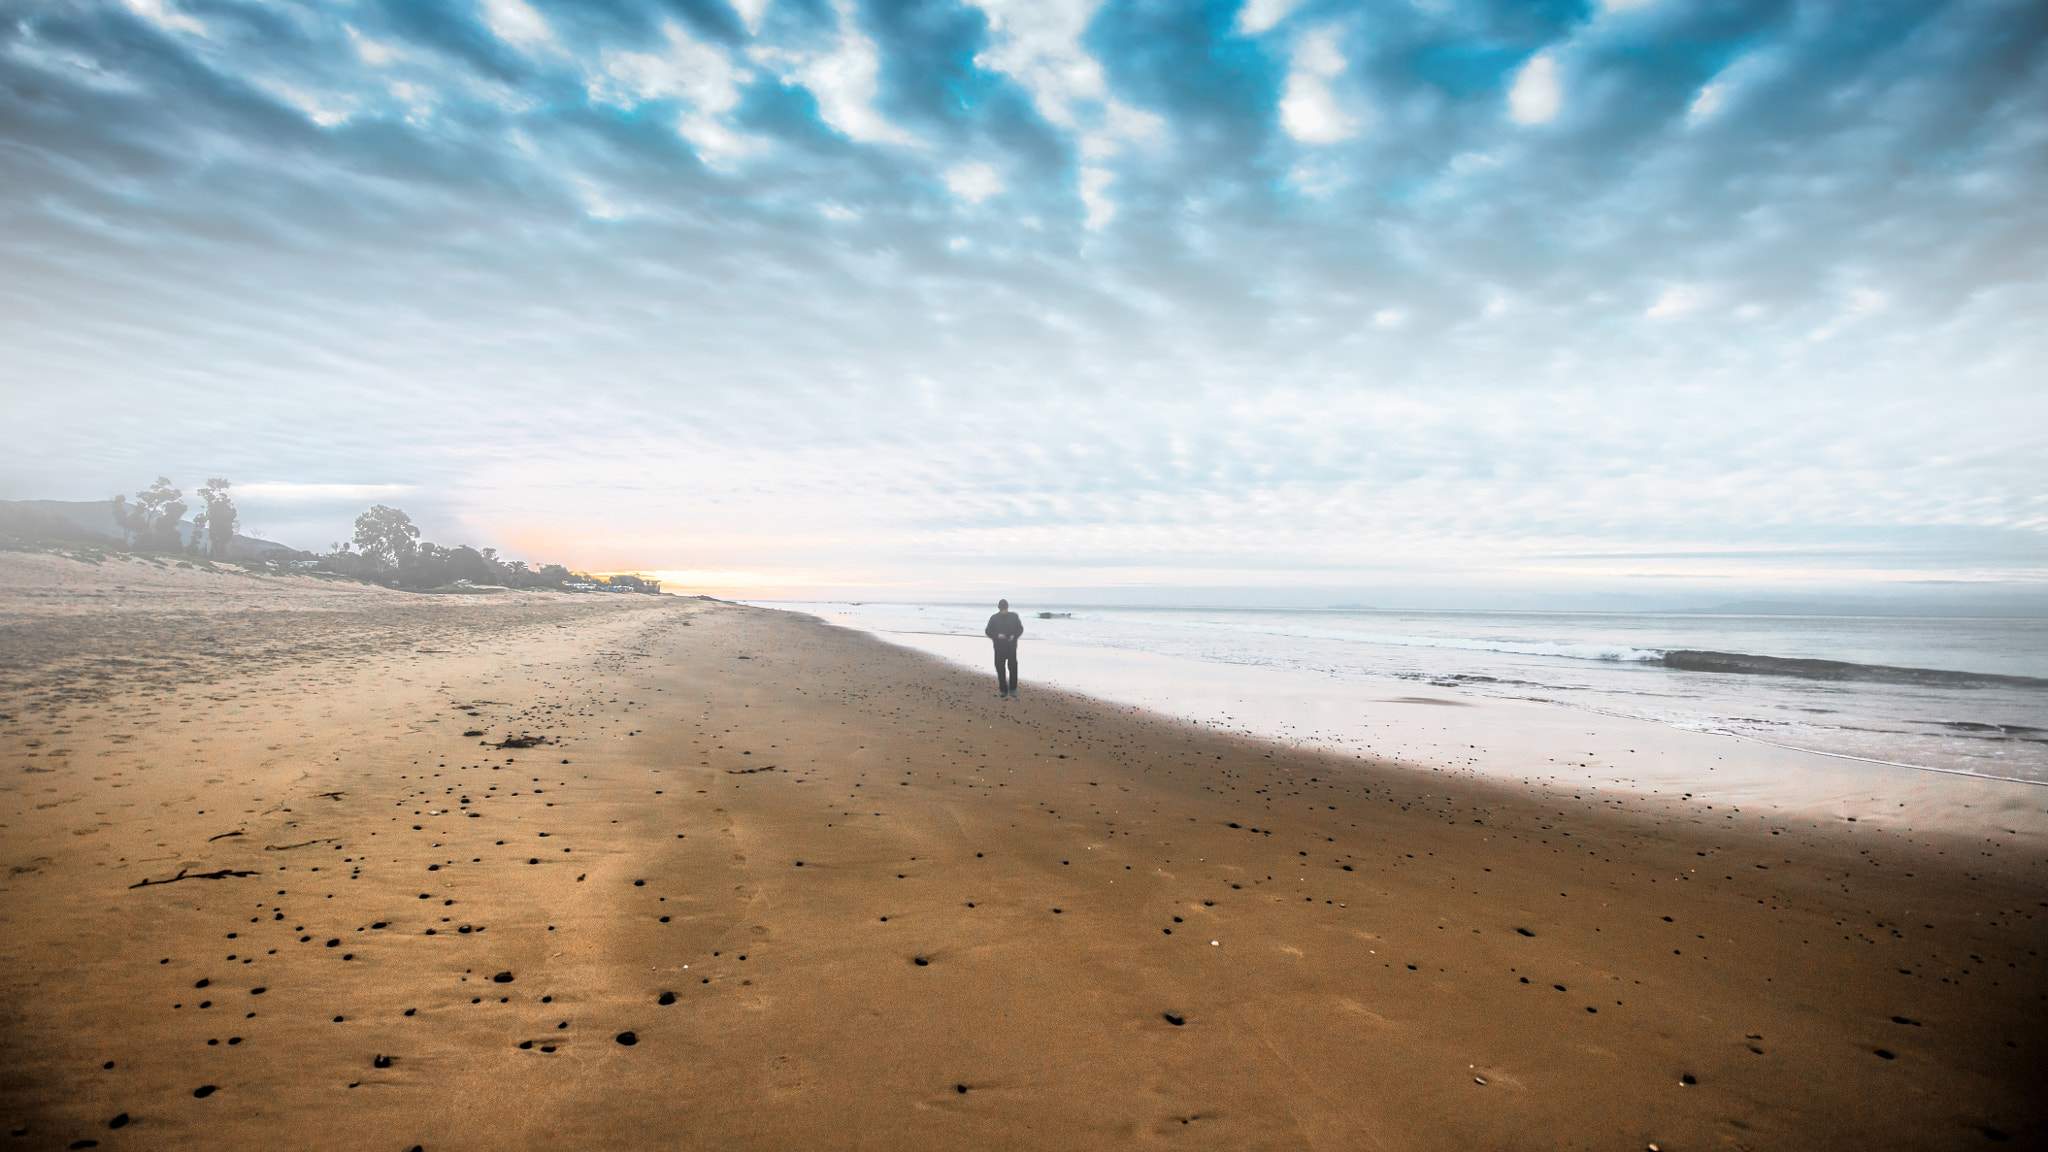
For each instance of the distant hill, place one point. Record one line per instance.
(92, 522)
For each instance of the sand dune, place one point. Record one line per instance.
(539, 871)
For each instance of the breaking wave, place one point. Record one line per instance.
(1745, 664)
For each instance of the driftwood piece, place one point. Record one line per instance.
(183, 875)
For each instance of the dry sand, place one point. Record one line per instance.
(839, 895)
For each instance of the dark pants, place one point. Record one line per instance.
(1006, 666)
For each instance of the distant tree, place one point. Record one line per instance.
(466, 563)
(151, 523)
(386, 537)
(342, 560)
(218, 520)
(427, 567)
(128, 517)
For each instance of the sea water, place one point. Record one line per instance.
(1960, 695)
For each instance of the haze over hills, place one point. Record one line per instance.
(93, 521)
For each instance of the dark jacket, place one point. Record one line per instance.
(1004, 624)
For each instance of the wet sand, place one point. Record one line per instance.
(1443, 727)
(763, 882)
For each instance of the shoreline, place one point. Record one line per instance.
(838, 895)
(1348, 715)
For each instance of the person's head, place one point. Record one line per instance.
(1002, 605)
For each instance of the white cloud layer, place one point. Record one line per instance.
(1066, 291)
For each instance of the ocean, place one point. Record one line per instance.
(1956, 695)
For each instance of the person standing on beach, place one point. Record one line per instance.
(1004, 628)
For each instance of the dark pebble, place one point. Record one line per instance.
(628, 1039)
(203, 1092)
(120, 1121)
(502, 978)
(667, 998)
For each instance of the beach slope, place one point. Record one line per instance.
(292, 864)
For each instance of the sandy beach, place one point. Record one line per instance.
(301, 864)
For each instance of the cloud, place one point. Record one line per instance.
(1094, 189)
(166, 17)
(751, 11)
(845, 81)
(1258, 16)
(516, 22)
(1309, 110)
(1537, 93)
(1706, 102)
(974, 182)
(1673, 301)
(369, 51)
(931, 293)
(280, 491)
(1037, 43)
(700, 75)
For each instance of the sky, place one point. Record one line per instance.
(1436, 300)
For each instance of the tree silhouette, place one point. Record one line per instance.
(219, 519)
(152, 521)
(385, 536)
(127, 517)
